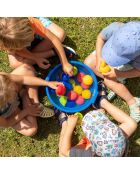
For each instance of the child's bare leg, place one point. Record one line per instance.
(27, 126)
(64, 126)
(127, 124)
(66, 141)
(58, 31)
(91, 62)
(121, 90)
(46, 45)
(115, 86)
(16, 61)
(29, 71)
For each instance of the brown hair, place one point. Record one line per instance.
(16, 33)
(7, 91)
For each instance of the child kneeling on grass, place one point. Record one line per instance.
(103, 137)
(119, 46)
(21, 115)
(32, 41)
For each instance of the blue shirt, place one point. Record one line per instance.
(108, 31)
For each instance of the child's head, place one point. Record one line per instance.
(7, 91)
(123, 46)
(107, 139)
(15, 33)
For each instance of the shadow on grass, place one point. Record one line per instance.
(51, 126)
(46, 127)
(134, 150)
(70, 43)
(130, 85)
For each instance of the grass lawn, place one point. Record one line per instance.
(81, 35)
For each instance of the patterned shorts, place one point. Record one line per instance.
(107, 139)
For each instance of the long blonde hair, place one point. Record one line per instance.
(8, 92)
(16, 33)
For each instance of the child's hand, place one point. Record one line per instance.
(98, 63)
(43, 63)
(68, 69)
(54, 84)
(111, 74)
(33, 110)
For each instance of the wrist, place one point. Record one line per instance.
(47, 83)
(65, 62)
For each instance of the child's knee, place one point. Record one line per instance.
(63, 153)
(133, 124)
(61, 35)
(87, 61)
(90, 61)
(28, 70)
(31, 131)
(14, 64)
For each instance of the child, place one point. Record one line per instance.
(31, 40)
(21, 115)
(106, 138)
(119, 45)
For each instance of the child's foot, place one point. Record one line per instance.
(60, 116)
(100, 97)
(135, 110)
(69, 51)
(46, 111)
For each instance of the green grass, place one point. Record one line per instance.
(81, 35)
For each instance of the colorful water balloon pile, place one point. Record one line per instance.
(74, 90)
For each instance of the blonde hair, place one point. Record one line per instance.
(7, 91)
(16, 33)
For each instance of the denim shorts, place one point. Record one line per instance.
(77, 152)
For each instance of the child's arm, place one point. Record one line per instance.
(114, 74)
(127, 124)
(39, 58)
(99, 45)
(26, 54)
(104, 35)
(33, 110)
(66, 140)
(67, 67)
(31, 81)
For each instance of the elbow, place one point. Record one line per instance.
(133, 125)
(63, 152)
